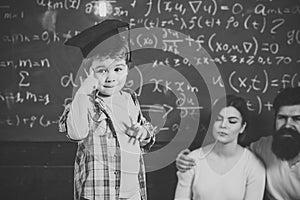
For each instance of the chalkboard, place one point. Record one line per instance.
(185, 55)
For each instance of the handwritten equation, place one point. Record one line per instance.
(254, 44)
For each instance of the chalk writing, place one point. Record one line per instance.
(254, 44)
(25, 63)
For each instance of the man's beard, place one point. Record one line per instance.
(286, 143)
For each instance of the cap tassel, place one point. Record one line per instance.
(129, 47)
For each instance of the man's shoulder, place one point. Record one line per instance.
(253, 160)
(263, 141)
(262, 147)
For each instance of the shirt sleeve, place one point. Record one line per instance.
(184, 185)
(76, 118)
(256, 178)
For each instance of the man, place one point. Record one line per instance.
(279, 152)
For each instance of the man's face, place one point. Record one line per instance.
(111, 75)
(288, 117)
(286, 140)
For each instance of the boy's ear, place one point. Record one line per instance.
(91, 71)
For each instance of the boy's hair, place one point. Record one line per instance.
(118, 50)
(287, 97)
(114, 49)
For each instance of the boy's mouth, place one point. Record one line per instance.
(109, 86)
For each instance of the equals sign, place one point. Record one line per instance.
(274, 83)
(36, 37)
(265, 48)
(36, 64)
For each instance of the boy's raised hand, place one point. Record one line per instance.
(89, 84)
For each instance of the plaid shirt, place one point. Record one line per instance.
(98, 159)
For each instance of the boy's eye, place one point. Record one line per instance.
(118, 69)
(101, 71)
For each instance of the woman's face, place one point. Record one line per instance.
(228, 125)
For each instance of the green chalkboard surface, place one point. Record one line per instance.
(186, 54)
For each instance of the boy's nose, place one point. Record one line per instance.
(109, 80)
(110, 77)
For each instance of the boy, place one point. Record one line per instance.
(106, 120)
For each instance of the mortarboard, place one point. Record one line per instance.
(90, 38)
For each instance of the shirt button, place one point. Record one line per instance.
(116, 172)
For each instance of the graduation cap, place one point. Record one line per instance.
(104, 35)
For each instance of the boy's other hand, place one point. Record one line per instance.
(183, 161)
(137, 132)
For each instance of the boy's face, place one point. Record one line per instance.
(111, 75)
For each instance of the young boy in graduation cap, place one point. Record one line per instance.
(106, 120)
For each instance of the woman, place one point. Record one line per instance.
(224, 170)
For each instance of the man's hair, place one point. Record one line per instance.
(287, 97)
